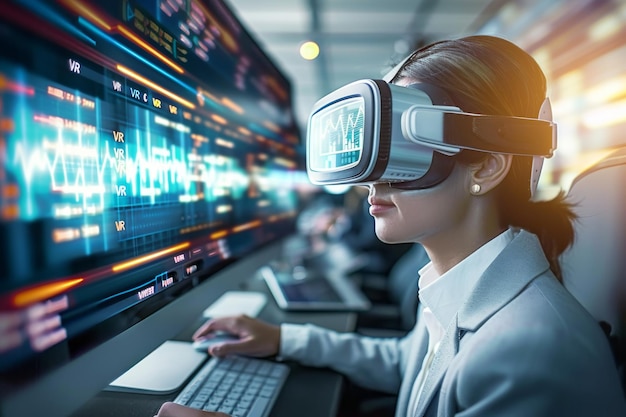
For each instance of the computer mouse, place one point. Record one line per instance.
(202, 345)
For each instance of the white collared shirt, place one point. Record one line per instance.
(442, 296)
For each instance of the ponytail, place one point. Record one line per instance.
(551, 221)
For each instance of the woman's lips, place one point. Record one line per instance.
(378, 206)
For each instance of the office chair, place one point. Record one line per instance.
(393, 314)
(594, 267)
(394, 297)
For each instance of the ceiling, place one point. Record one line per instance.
(357, 38)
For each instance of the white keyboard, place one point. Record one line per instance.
(238, 386)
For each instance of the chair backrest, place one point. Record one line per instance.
(402, 284)
(594, 268)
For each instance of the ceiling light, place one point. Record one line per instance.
(309, 50)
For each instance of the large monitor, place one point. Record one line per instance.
(145, 145)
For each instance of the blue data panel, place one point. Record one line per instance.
(143, 144)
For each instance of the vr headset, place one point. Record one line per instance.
(370, 131)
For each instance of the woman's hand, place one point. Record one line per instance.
(169, 409)
(256, 338)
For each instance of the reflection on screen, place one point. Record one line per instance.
(143, 144)
(336, 136)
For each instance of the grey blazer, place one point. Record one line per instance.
(521, 346)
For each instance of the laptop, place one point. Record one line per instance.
(304, 289)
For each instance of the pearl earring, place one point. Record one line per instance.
(475, 188)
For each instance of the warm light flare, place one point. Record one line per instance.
(246, 226)
(608, 115)
(218, 235)
(148, 258)
(219, 119)
(149, 48)
(44, 292)
(232, 105)
(154, 86)
(608, 90)
(83, 10)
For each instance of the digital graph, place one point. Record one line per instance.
(340, 133)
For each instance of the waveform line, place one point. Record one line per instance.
(84, 169)
(354, 123)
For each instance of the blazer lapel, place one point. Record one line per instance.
(448, 347)
(521, 262)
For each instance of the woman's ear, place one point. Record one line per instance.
(491, 171)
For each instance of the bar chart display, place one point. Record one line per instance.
(335, 140)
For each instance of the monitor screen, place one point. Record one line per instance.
(144, 145)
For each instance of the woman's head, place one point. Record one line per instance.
(489, 75)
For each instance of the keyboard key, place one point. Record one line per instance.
(258, 407)
(241, 387)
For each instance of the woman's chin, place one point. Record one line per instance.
(386, 237)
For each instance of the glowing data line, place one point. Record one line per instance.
(141, 79)
(86, 12)
(149, 48)
(150, 257)
(135, 55)
(246, 226)
(44, 292)
(46, 10)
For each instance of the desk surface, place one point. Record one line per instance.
(308, 392)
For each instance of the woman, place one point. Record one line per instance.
(497, 334)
